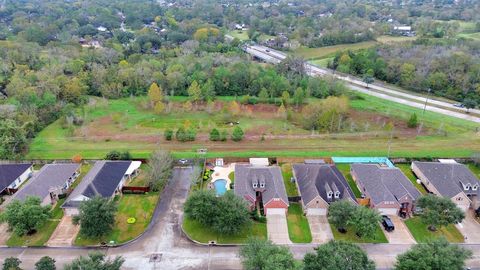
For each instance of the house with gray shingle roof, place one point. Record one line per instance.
(50, 182)
(451, 180)
(105, 179)
(14, 175)
(320, 185)
(388, 189)
(261, 184)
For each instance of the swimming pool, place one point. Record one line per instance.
(220, 186)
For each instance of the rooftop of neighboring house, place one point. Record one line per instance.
(50, 176)
(268, 179)
(384, 183)
(10, 172)
(324, 180)
(450, 178)
(102, 180)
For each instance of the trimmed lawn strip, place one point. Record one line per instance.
(43, 233)
(422, 234)
(138, 206)
(198, 232)
(351, 237)
(345, 170)
(298, 227)
(405, 168)
(289, 185)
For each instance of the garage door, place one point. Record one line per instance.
(275, 211)
(388, 211)
(316, 211)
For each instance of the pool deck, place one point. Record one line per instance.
(222, 173)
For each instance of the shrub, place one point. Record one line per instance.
(214, 135)
(168, 134)
(237, 134)
(412, 122)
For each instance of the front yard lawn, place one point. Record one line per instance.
(351, 237)
(139, 206)
(405, 168)
(289, 185)
(298, 227)
(43, 233)
(345, 170)
(198, 232)
(422, 234)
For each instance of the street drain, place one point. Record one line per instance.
(156, 257)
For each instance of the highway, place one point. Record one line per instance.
(273, 56)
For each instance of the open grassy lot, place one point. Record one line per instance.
(345, 170)
(43, 233)
(138, 206)
(323, 62)
(198, 232)
(289, 185)
(405, 168)
(298, 227)
(475, 169)
(350, 236)
(322, 52)
(240, 34)
(422, 234)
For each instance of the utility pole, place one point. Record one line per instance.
(426, 100)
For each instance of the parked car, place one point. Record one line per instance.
(387, 224)
(459, 105)
(182, 161)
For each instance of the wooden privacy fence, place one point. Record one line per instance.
(135, 190)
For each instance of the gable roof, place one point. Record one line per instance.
(448, 177)
(271, 175)
(102, 180)
(384, 183)
(10, 172)
(317, 179)
(49, 176)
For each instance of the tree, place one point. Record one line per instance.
(45, 263)
(194, 91)
(412, 121)
(340, 213)
(180, 135)
(263, 95)
(237, 134)
(368, 79)
(437, 254)
(25, 217)
(285, 98)
(234, 108)
(259, 254)
(439, 211)
(96, 217)
(13, 138)
(298, 96)
(159, 169)
(159, 108)
(11, 263)
(214, 135)
(95, 260)
(116, 155)
(469, 103)
(223, 135)
(407, 74)
(338, 255)
(168, 134)
(365, 220)
(282, 112)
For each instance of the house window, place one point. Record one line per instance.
(474, 187)
(329, 194)
(459, 199)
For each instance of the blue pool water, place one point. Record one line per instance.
(363, 160)
(220, 186)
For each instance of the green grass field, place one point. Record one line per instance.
(328, 51)
(475, 169)
(199, 233)
(405, 168)
(287, 175)
(345, 170)
(240, 34)
(421, 233)
(298, 227)
(350, 236)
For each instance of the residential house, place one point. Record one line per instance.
(320, 185)
(13, 175)
(105, 179)
(261, 186)
(52, 181)
(451, 180)
(388, 189)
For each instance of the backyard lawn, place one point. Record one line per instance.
(350, 236)
(422, 234)
(140, 207)
(475, 169)
(289, 185)
(298, 227)
(405, 168)
(345, 170)
(198, 232)
(43, 233)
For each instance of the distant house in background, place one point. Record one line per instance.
(319, 185)
(450, 179)
(105, 179)
(13, 175)
(388, 189)
(404, 31)
(261, 185)
(50, 182)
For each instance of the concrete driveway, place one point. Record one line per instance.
(320, 229)
(277, 228)
(64, 234)
(470, 228)
(401, 234)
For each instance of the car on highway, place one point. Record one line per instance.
(387, 224)
(459, 105)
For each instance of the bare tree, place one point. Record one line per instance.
(160, 169)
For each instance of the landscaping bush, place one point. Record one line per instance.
(214, 135)
(185, 135)
(237, 134)
(168, 134)
(412, 122)
(116, 155)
